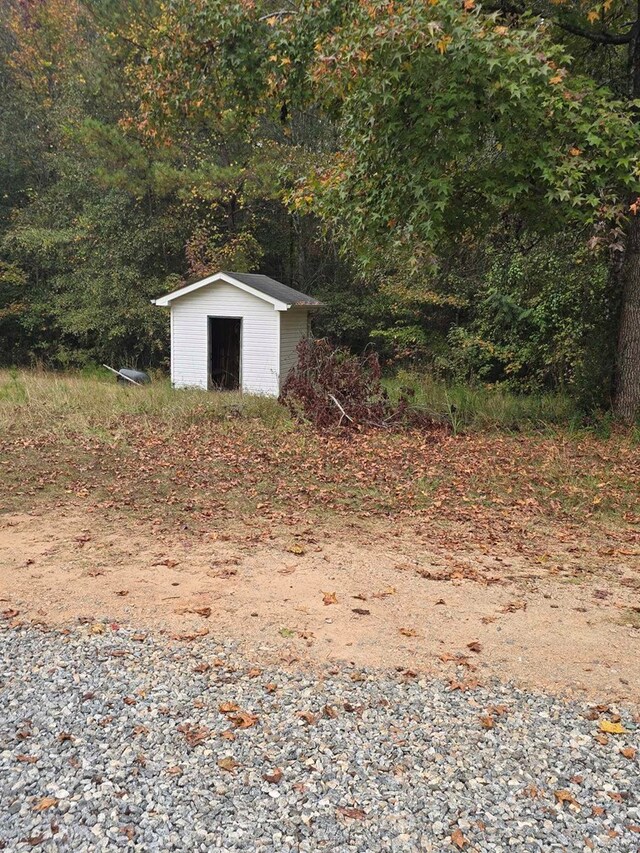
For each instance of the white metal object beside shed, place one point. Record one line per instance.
(236, 331)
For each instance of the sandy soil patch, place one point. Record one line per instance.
(363, 593)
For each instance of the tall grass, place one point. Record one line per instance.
(92, 402)
(47, 401)
(478, 407)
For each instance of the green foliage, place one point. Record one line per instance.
(448, 118)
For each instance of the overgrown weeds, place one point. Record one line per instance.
(38, 401)
(490, 407)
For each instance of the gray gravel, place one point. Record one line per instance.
(395, 763)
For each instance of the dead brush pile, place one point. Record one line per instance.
(330, 387)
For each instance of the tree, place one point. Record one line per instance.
(451, 120)
(606, 39)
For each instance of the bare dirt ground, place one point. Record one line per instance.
(362, 590)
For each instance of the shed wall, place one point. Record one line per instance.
(294, 325)
(260, 359)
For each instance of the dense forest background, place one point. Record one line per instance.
(457, 182)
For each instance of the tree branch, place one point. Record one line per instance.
(599, 37)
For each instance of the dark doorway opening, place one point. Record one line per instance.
(224, 353)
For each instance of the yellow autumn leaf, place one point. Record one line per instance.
(592, 16)
(501, 31)
(576, 152)
(612, 728)
(555, 80)
(45, 803)
(442, 44)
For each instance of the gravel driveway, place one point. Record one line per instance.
(113, 741)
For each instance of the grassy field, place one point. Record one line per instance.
(156, 449)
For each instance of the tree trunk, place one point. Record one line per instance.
(627, 390)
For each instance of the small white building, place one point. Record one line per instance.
(236, 331)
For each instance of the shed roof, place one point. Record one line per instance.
(280, 295)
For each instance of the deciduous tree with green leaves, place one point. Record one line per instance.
(446, 117)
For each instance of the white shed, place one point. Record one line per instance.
(236, 331)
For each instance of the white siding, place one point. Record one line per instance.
(260, 358)
(293, 326)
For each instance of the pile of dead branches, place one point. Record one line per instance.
(331, 387)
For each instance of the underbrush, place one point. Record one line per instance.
(480, 407)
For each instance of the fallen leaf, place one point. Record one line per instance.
(122, 592)
(512, 606)
(175, 771)
(307, 716)
(170, 564)
(470, 684)
(360, 611)
(390, 590)
(274, 777)
(63, 736)
(352, 813)
(45, 803)
(597, 811)
(26, 759)
(205, 612)
(329, 598)
(194, 734)
(408, 632)
(227, 734)
(286, 632)
(628, 752)
(98, 628)
(603, 740)
(458, 839)
(10, 614)
(330, 712)
(228, 763)
(254, 673)
(228, 708)
(612, 728)
(243, 719)
(564, 796)
(474, 647)
(296, 549)
(202, 667)
(193, 635)
(487, 722)
(287, 570)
